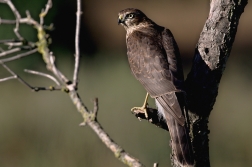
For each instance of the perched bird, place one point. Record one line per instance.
(154, 60)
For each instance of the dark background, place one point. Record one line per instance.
(41, 129)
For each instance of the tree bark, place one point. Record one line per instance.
(211, 54)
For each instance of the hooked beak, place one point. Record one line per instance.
(120, 19)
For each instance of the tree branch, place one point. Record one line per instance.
(89, 117)
(152, 117)
(211, 54)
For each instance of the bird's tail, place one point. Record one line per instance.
(171, 107)
(180, 141)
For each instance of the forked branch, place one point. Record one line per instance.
(41, 46)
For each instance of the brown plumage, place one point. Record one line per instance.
(154, 60)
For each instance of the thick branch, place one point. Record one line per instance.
(211, 54)
(153, 117)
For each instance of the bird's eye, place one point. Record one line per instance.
(130, 15)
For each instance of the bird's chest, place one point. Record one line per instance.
(139, 58)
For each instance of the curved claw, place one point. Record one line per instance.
(142, 109)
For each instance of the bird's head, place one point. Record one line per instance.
(130, 18)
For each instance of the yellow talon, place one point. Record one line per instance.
(143, 109)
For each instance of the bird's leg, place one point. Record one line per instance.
(143, 109)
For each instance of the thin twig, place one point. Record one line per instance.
(15, 75)
(77, 52)
(9, 52)
(42, 74)
(29, 46)
(19, 56)
(54, 69)
(8, 40)
(11, 44)
(4, 21)
(96, 107)
(29, 21)
(8, 78)
(18, 17)
(45, 11)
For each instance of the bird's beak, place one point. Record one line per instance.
(120, 19)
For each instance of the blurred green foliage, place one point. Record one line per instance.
(41, 129)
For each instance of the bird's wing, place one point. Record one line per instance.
(173, 102)
(173, 57)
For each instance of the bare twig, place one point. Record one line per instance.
(45, 11)
(77, 52)
(96, 106)
(52, 67)
(11, 44)
(4, 21)
(8, 78)
(42, 74)
(29, 46)
(15, 42)
(9, 51)
(8, 40)
(19, 56)
(17, 15)
(15, 76)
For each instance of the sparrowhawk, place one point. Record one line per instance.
(154, 60)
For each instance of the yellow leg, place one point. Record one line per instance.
(143, 108)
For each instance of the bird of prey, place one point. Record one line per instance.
(154, 60)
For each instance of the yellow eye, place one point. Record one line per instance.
(130, 15)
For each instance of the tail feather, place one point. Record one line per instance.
(180, 141)
(181, 144)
